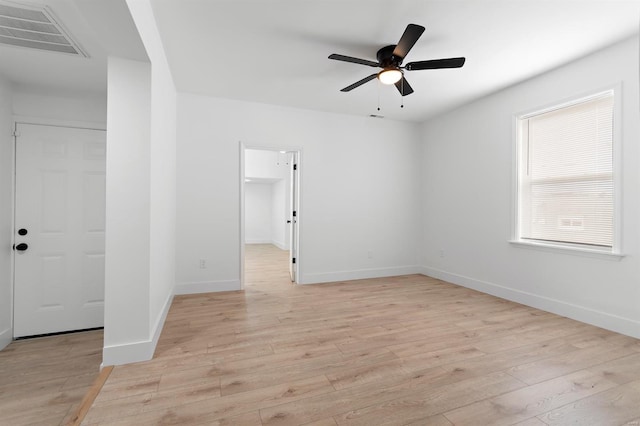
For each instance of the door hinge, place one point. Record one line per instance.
(293, 260)
(16, 133)
(295, 167)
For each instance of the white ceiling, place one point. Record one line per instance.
(275, 51)
(100, 28)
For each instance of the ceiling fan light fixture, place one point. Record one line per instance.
(390, 76)
(391, 57)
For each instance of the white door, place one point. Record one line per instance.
(59, 229)
(293, 220)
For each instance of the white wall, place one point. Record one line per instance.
(44, 105)
(162, 219)
(467, 200)
(279, 213)
(141, 245)
(127, 240)
(270, 167)
(6, 212)
(360, 179)
(266, 213)
(269, 164)
(258, 210)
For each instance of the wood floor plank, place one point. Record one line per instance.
(614, 406)
(530, 401)
(620, 370)
(192, 377)
(244, 419)
(78, 414)
(128, 388)
(366, 374)
(531, 422)
(408, 350)
(110, 411)
(43, 380)
(209, 410)
(507, 359)
(438, 420)
(334, 364)
(424, 360)
(340, 401)
(547, 368)
(428, 401)
(54, 406)
(324, 422)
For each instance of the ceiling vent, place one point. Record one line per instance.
(34, 28)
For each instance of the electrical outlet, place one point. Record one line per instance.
(441, 253)
(203, 264)
(370, 254)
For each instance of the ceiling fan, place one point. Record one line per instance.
(390, 60)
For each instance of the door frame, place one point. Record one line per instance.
(38, 121)
(242, 148)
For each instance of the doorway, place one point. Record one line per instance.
(269, 215)
(59, 229)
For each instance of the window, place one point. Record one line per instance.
(566, 175)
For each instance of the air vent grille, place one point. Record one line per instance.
(27, 26)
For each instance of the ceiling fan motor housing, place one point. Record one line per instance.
(387, 59)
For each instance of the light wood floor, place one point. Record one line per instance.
(407, 350)
(43, 380)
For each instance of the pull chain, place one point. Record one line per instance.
(402, 92)
(378, 96)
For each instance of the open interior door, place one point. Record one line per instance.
(293, 219)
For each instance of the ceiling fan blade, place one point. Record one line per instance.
(435, 64)
(353, 60)
(404, 87)
(411, 34)
(359, 83)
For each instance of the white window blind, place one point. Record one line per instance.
(566, 174)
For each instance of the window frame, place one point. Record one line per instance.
(616, 251)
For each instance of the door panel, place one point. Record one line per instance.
(60, 201)
(293, 211)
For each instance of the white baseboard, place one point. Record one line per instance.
(359, 274)
(6, 337)
(137, 351)
(280, 245)
(127, 353)
(157, 328)
(257, 241)
(604, 320)
(207, 286)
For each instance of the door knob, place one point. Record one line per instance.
(20, 247)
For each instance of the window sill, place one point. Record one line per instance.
(566, 249)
